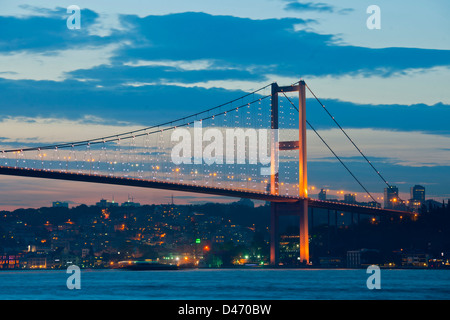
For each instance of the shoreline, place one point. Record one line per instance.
(233, 268)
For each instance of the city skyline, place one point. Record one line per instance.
(417, 193)
(109, 235)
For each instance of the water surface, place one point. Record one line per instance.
(228, 284)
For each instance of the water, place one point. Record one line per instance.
(227, 284)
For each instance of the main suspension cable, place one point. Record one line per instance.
(350, 139)
(345, 133)
(331, 150)
(143, 131)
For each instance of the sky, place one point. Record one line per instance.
(133, 64)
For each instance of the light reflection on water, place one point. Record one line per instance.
(239, 284)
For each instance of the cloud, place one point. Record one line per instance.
(271, 46)
(309, 6)
(332, 175)
(234, 49)
(38, 11)
(41, 130)
(48, 32)
(407, 87)
(315, 6)
(149, 104)
(415, 117)
(401, 148)
(74, 100)
(55, 65)
(120, 74)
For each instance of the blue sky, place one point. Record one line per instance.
(139, 63)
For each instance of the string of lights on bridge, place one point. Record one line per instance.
(110, 155)
(149, 159)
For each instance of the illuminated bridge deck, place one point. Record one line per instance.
(184, 187)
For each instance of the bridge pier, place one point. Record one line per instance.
(274, 235)
(300, 209)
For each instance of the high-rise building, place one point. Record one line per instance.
(417, 198)
(350, 198)
(418, 193)
(391, 199)
(323, 195)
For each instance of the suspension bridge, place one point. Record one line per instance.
(266, 120)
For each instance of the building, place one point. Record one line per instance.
(354, 259)
(289, 249)
(350, 198)
(37, 262)
(414, 259)
(10, 261)
(373, 204)
(418, 193)
(106, 204)
(417, 198)
(391, 199)
(362, 258)
(330, 262)
(130, 203)
(60, 204)
(323, 195)
(218, 238)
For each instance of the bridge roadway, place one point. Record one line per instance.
(184, 187)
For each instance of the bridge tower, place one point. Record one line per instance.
(299, 208)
